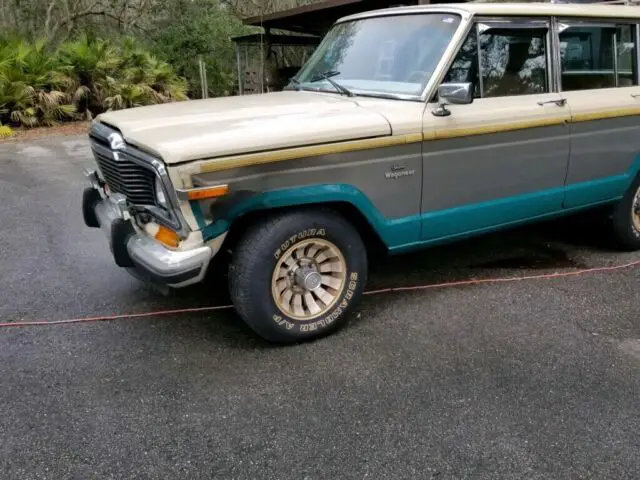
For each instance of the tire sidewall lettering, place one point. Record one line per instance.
(303, 235)
(282, 322)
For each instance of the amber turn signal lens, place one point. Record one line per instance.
(208, 192)
(167, 236)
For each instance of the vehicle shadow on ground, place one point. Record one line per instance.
(555, 245)
(558, 245)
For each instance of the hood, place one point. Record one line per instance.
(198, 129)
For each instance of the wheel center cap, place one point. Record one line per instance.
(308, 279)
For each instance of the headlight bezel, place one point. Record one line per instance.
(160, 194)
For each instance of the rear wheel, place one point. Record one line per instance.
(625, 219)
(297, 275)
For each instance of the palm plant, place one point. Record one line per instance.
(89, 62)
(143, 79)
(83, 77)
(5, 131)
(116, 77)
(32, 88)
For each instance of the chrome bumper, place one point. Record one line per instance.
(149, 259)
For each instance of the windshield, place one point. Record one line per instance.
(393, 55)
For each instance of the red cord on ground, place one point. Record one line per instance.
(157, 313)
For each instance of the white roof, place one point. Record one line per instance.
(513, 9)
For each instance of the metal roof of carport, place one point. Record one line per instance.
(317, 18)
(275, 39)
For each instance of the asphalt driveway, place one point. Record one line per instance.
(531, 379)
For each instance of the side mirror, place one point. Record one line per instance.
(453, 94)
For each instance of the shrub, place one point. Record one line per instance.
(33, 91)
(88, 63)
(82, 78)
(110, 77)
(5, 131)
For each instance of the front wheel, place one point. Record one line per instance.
(297, 275)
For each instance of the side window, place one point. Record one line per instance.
(510, 61)
(514, 62)
(597, 57)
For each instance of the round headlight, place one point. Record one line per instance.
(160, 196)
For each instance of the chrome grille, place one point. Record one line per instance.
(127, 177)
(133, 172)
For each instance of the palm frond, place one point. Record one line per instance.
(5, 131)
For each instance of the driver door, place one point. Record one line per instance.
(502, 159)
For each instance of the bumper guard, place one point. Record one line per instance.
(149, 259)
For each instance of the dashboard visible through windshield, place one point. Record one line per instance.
(390, 55)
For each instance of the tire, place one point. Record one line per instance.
(278, 263)
(625, 219)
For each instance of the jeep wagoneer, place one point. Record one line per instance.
(407, 127)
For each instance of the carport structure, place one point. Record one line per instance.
(294, 29)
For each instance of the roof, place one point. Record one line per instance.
(317, 18)
(275, 39)
(512, 9)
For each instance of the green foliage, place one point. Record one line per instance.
(5, 131)
(89, 62)
(200, 28)
(83, 77)
(113, 77)
(151, 55)
(33, 90)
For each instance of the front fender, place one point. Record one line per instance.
(392, 232)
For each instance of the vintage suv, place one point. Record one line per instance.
(407, 127)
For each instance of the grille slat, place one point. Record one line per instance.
(124, 176)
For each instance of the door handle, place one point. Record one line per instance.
(561, 102)
(635, 95)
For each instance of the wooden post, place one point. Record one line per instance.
(203, 77)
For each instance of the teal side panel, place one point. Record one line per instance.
(432, 228)
(393, 232)
(486, 215)
(601, 190)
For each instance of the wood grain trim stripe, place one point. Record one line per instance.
(237, 161)
(226, 163)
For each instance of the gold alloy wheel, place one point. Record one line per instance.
(635, 211)
(309, 279)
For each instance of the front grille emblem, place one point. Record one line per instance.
(116, 141)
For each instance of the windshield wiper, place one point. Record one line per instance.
(327, 76)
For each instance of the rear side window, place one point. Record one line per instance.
(502, 61)
(598, 56)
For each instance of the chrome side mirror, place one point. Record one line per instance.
(453, 94)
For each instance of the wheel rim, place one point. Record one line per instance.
(308, 279)
(635, 211)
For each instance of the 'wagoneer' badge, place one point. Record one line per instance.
(398, 171)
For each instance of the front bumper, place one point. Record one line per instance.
(147, 258)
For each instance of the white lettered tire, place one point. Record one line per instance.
(625, 219)
(297, 275)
